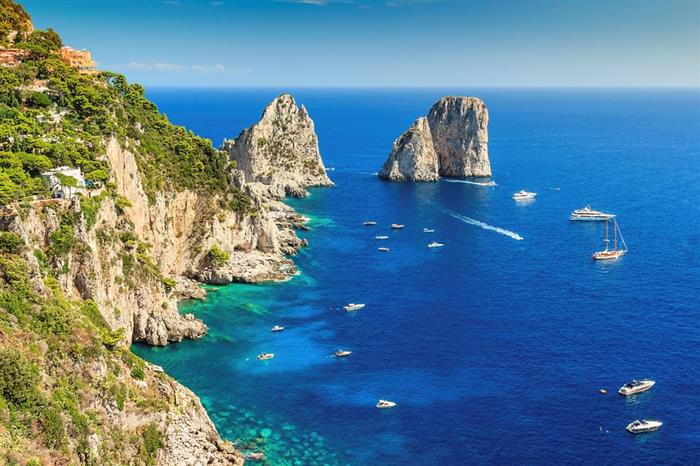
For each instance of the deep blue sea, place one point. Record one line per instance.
(494, 349)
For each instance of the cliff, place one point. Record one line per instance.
(281, 150)
(451, 142)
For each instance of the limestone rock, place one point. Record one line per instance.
(413, 157)
(281, 150)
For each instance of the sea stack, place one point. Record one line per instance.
(451, 142)
(281, 150)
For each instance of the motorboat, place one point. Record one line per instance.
(342, 353)
(381, 237)
(353, 307)
(641, 426)
(370, 223)
(523, 195)
(619, 246)
(589, 215)
(435, 244)
(383, 249)
(277, 328)
(397, 226)
(255, 456)
(428, 230)
(384, 404)
(265, 356)
(636, 386)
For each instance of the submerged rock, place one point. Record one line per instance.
(413, 157)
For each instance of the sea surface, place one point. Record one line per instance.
(495, 346)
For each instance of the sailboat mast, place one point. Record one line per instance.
(607, 235)
(615, 235)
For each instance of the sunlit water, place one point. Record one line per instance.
(494, 346)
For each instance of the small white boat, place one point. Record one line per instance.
(589, 215)
(383, 249)
(384, 404)
(641, 426)
(353, 307)
(265, 356)
(397, 226)
(382, 237)
(277, 328)
(619, 246)
(636, 386)
(370, 223)
(435, 244)
(523, 195)
(255, 456)
(342, 353)
(428, 230)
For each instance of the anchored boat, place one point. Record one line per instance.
(370, 223)
(342, 353)
(353, 307)
(265, 356)
(384, 404)
(397, 226)
(619, 246)
(523, 195)
(641, 426)
(435, 244)
(636, 386)
(277, 328)
(589, 215)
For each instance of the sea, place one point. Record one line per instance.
(495, 347)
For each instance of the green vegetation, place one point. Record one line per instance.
(13, 18)
(217, 256)
(18, 379)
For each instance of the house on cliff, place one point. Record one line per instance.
(64, 182)
(79, 59)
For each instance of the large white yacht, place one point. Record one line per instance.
(641, 426)
(636, 386)
(589, 215)
(523, 195)
(353, 307)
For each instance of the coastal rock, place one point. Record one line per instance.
(280, 151)
(452, 141)
(413, 157)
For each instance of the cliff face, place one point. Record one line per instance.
(451, 142)
(281, 150)
(413, 157)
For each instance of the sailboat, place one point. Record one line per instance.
(619, 245)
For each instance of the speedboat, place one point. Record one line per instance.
(589, 215)
(636, 386)
(383, 249)
(384, 404)
(435, 244)
(369, 223)
(381, 237)
(641, 426)
(428, 230)
(397, 226)
(523, 195)
(277, 328)
(353, 307)
(265, 356)
(342, 353)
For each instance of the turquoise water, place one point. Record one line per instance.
(493, 347)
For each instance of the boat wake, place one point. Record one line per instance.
(483, 225)
(477, 183)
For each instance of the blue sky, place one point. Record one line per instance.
(385, 42)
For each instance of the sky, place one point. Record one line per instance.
(394, 43)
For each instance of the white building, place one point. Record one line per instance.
(58, 190)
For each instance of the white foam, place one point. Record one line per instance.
(483, 225)
(477, 183)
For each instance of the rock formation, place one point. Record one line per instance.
(451, 142)
(281, 150)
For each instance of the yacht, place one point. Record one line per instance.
(589, 215)
(619, 246)
(353, 307)
(383, 249)
(342, 353)
(428, 230)
(435, 244)
(397, 226)
(641, 426)
(381, 237)
(636, 386)
(277, 328)
(523, 195)
(265, 356)
(370, 223)
(384, 404)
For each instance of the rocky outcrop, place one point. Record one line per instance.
(452, 141)
(413, 157)
(280, 151)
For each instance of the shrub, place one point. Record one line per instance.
(217, 256)
(54, 430)
(10, 243)
(169, 283)
(18, 379)
(152, 442)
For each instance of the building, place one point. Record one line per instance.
(58, 189)
(80, 59)
(12, 57)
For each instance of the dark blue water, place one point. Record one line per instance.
(494, 348)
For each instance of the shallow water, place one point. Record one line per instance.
(494, 348)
